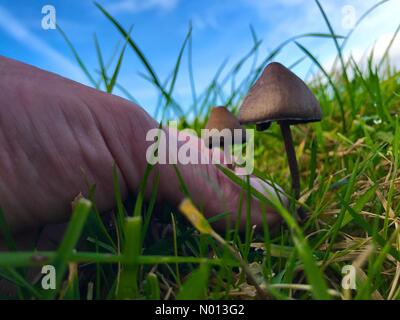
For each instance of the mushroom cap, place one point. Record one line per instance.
(221, 118)
(279, 95)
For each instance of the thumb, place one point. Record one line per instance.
(53, 129)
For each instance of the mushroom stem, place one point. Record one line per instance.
(291, 156)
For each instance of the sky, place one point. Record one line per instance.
(221, 30)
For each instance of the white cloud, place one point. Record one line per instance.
(21, 34)
(375, 33)
(134, 6)
(290, 17)
(205, 21)
(379, 48)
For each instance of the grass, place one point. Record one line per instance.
(349, 165)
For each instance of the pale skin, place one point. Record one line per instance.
(55, 133)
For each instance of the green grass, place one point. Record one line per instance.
(350, 187)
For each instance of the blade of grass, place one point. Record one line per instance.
(336, 91)
(152, 287)
(128, 279)
(176, 70)
(196, 285)
(140, 55)
(121, 214)
(69, 242)
(341, 59)
(77, 57)
(114, 76)
(313, 273)
(150, 207)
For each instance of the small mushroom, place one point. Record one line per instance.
(221, 118)
(279, 95)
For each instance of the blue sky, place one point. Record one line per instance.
(220, 30)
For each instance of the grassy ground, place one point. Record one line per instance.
(350, 186)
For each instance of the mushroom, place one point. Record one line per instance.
(279, 95)
(221, 118)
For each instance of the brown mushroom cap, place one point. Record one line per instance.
(279, 95)
(221, 118)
